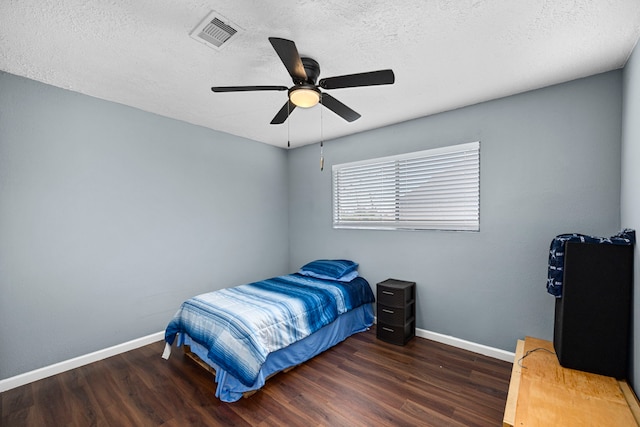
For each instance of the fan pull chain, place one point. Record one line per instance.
(288, 127)
(321, 138)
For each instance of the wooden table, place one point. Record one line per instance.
(543, 393)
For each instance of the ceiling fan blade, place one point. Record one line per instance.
(339, 108)
(288, 53)
(246, 88)
(284, 113)
(372, 78)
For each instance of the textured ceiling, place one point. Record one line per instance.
(445, 54)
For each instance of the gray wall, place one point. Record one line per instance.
(630, 199)
(550, 164)
(110, 217)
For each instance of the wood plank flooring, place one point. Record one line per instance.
(360, 382)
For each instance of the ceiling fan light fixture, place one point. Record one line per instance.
(304, 96)
(305, 92)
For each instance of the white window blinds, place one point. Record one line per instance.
(436, 189)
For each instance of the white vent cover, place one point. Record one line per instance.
(215, 31)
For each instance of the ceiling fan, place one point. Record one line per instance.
(305, 92)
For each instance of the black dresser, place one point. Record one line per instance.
(396, 311)
(592, 318)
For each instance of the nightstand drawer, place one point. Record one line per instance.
(395, 293)
(395, 315)
(393, 334)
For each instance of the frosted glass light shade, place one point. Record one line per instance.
(304, 97)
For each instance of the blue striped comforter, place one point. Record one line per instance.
(240, 326)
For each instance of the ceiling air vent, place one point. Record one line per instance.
(215, 31)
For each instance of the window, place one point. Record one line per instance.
(436, 189)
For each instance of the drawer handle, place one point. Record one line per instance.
(388, 311)
(387, 292)
(388, 329)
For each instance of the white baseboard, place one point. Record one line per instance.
(496, 353)
(76, 362)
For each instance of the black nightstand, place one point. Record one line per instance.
(396, 311)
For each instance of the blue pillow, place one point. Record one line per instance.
(346, 278)
(330, 269)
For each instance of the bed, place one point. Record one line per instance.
(247, 333)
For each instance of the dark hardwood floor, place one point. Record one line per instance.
(360, 382)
